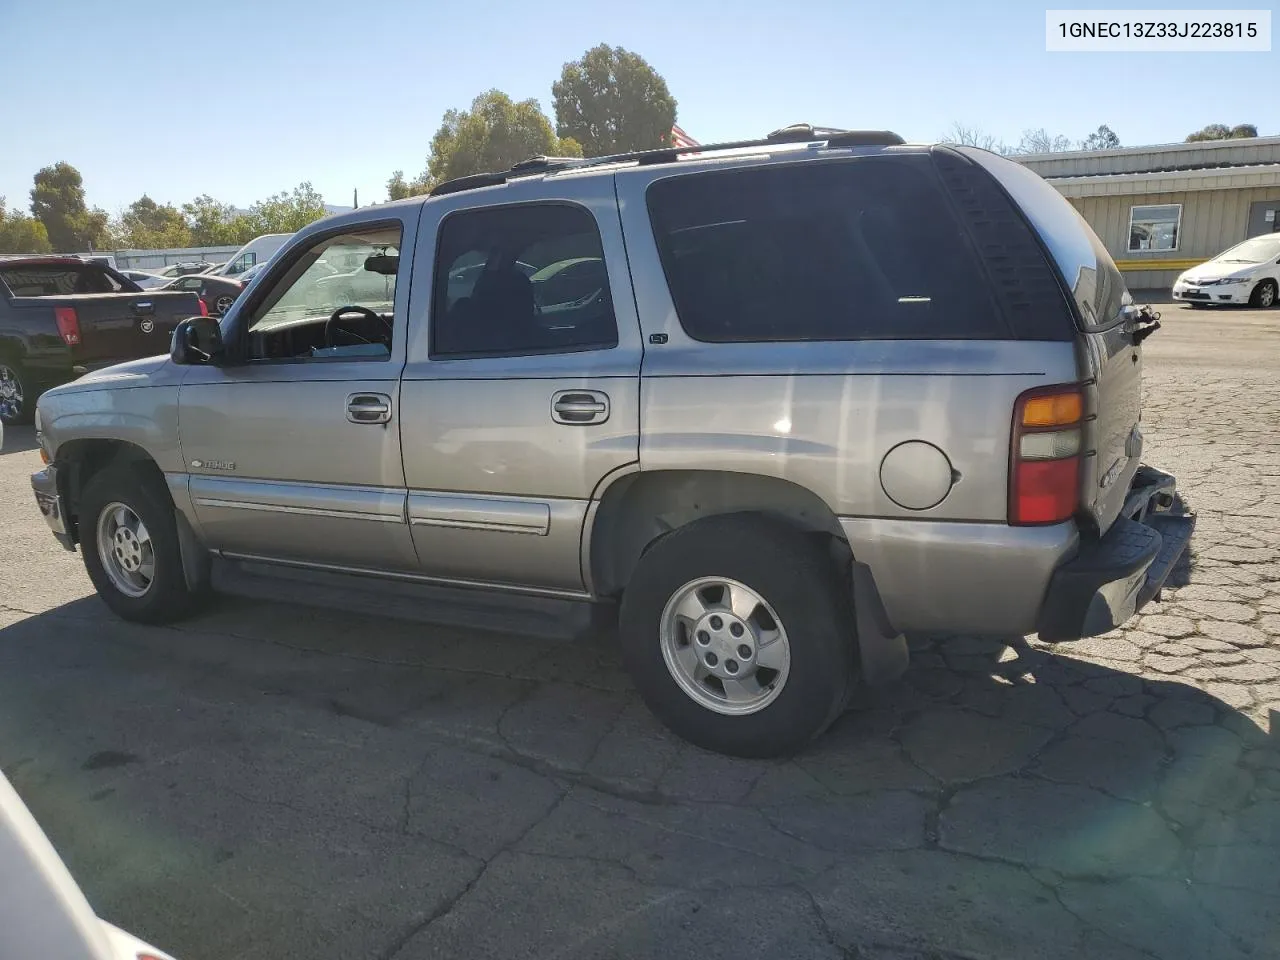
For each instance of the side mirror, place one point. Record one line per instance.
(196, 340)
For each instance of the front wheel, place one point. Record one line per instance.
(739, 636)
(129, 540)
(1264, 295)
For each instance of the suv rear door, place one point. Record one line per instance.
(1104, 307)
(521, 392)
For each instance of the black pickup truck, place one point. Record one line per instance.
(61, 317)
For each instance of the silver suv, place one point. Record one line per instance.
(783, 399)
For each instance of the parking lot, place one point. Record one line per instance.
(270, 781)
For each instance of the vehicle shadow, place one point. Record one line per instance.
(1002, 793)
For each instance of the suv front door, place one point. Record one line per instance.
(522, 392)
(293, 450)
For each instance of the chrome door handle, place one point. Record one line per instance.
(579, 406)
(369, 408)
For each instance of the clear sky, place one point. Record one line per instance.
(243, 98)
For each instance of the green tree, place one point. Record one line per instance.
(612, 101)
(147, 225)
(20, 233)
(287, 213)
(398, 187)
(1104, 138)
(1220, 131)
(57, 201)
(494, 134)
(215, 224)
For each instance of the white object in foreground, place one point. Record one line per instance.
(42, 911)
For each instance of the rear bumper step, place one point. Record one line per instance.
(1113, 577)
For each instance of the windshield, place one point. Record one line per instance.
(1257, 250)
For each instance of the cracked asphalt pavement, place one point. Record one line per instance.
(272, 781)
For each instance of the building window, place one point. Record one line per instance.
(1155, 227)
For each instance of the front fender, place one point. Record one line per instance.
(146, 417)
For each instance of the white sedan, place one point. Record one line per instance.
(43, 914)
(1248, 273)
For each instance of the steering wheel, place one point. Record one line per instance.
(333, 324)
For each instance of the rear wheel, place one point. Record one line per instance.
(739, 636)
(1264, 295)
(17, 400)
(129, 541)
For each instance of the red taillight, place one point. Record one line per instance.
(204, 307)
(68, 325)
(1046, 491)
(1045, 448)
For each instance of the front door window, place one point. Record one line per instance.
(335, 302)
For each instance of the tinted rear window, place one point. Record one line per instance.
(56, 280)
(864, 249)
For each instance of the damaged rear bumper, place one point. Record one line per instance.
(1110, 579)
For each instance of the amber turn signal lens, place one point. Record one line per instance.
(1054, 410)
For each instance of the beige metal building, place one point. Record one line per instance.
(1165, 208)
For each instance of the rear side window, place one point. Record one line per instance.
(527, 279)
(864, 249)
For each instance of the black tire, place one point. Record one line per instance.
(139, 488)
(794, 574)
(1266, 290)
(1196, 306)
(12, 377)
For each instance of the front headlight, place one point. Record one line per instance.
(1234, 280)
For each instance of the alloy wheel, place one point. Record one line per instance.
(11, 393)
(125, 549)
(725, 646)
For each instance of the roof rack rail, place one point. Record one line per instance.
(468, 183)
(795, 133)
(540, 164)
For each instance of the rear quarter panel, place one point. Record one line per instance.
(824, 415)
(1111, 364)
(29, 335)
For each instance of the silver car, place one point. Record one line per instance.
(782, 401)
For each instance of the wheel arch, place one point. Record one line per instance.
(638, 508)
(80, 460)
(13, 348)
